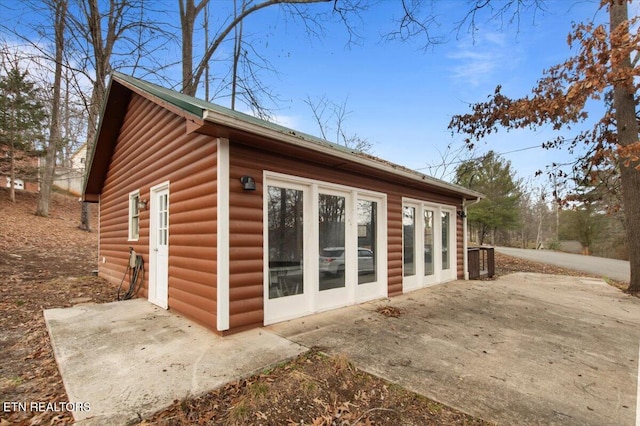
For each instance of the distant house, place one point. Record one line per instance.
(78, 158)
(243, 223)
(70, 175)
(26, 170)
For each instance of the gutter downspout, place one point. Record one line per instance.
(465, 243)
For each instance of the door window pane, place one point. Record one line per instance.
(285, 242)
(331, 239)
(445, 239)
(428, 242)
(408, 240)
(367, 226)
(163, 220)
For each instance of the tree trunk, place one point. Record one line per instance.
(627, 127)
(94, 111)
(102, 49)
(55, 135)
(12, 173)
(237, 49)
(188, 13)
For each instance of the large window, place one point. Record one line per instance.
(134, 216)
(446, 224)
(286, 240)
(325, 246)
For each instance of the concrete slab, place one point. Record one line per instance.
(128, 359)
(523, 349)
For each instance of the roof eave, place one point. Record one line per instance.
(296, 139)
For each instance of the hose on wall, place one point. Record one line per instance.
(135, 269)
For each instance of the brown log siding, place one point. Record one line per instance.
(245, 242)
(459, 247)
(153, 147)
(394, 244)
(246, 237)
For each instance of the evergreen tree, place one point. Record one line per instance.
(22, 121)
(493, 177)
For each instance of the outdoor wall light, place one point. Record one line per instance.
(142, 204)
(462, 214)
(248, 183)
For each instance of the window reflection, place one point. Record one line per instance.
(367, 226)
(331, 239)
(428, 242)
(285, 215)
(408, 240)
(445, 240)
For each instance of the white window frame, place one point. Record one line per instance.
(134, 215)
(419, 280)
(312, 301)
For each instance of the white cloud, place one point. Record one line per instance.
(479, 61)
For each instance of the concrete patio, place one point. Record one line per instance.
(523, 349)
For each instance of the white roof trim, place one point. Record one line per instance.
(298, 140)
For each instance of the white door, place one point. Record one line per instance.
(159, 246)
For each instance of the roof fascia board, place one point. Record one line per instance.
(216, 117)
(149, 93)
(95, 177)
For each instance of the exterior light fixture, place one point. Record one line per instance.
(142, 204)
(462, 214)
(248, 183)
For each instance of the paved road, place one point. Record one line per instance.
(609, 268)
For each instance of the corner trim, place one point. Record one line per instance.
(222, 316)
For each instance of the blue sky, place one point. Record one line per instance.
(402, 97)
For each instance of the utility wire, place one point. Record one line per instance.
(500, 153)
(476, 158)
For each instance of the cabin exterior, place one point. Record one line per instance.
(242, 223)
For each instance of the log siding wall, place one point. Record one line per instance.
(153, 147)
(246, 217)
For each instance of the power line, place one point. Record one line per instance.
(477, 158)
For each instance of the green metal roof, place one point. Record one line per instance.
(197, 107)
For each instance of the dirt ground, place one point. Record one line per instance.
(47, 263)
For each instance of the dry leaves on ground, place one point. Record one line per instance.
(44, 263)
(47, 263)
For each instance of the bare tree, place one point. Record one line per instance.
(445, 167)
(189, 11)
(126, 27)
(331, 118)
(59, 10)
